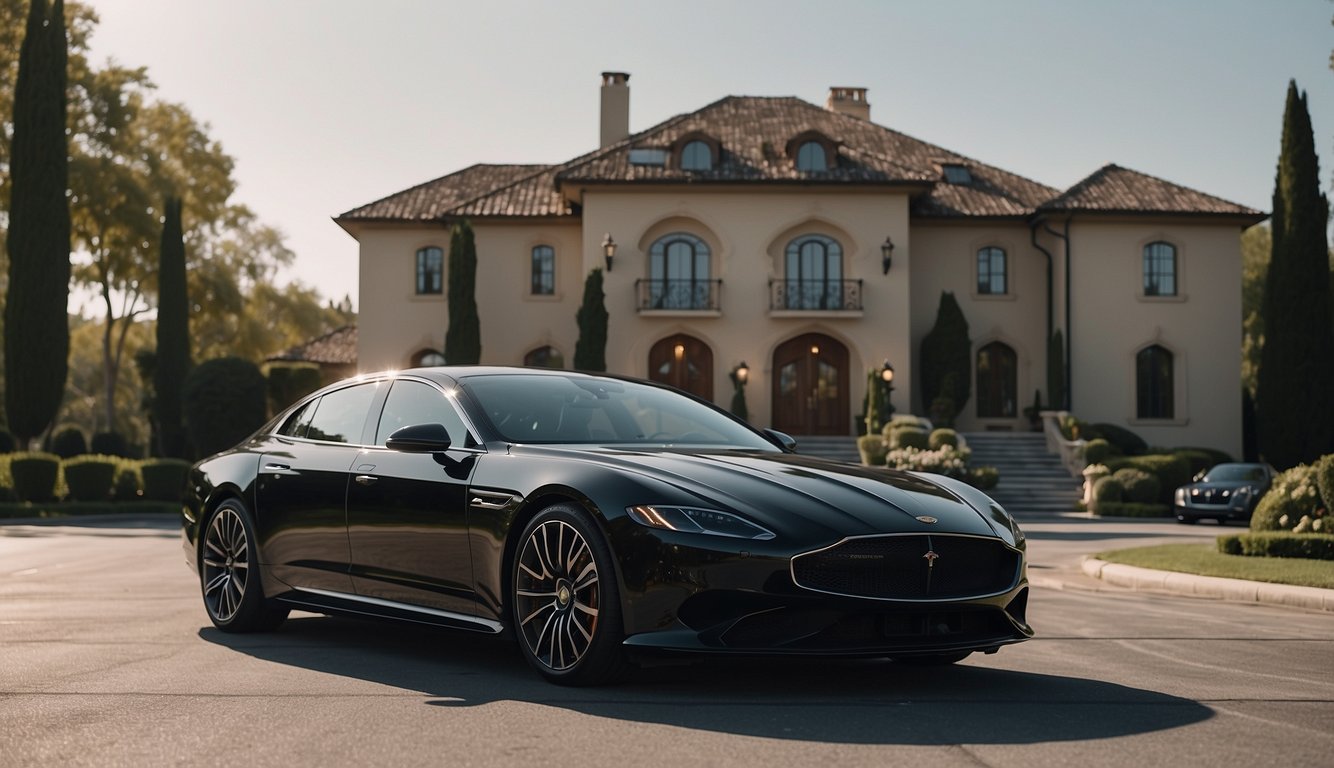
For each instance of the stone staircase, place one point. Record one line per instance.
(835, 447)
(1032, 481)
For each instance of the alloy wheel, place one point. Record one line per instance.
(556, 595)
(226, 564)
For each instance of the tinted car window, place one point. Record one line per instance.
(340, 415)
(412, 402)
(296, 424)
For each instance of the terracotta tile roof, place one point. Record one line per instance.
(435, 198)
(1113, 189)
(533, 195)
(337, 347)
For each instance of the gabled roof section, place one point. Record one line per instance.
(337, 347)
(1115, 190)
(435, 199)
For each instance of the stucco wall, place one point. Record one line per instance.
(1112, 320)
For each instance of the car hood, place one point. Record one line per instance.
(795, 494)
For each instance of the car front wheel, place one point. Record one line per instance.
(564, 599)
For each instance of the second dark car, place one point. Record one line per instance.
(1226, 492)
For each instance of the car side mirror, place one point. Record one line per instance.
(782, 440)
(419, 438)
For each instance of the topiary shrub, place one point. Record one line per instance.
(69, 442)
(1139, 486)
(983, 478)
(89, 477)
(7, 442)
(1126, 442)
(128, 485)
(942, 437)
(289, 382)
(34, 475)
(225, 401)
(908, 437)
(1097, 451)
(872, 449)
(111, 444)
(164, 479)
(1200, 460)
(1107, 489)
(1316, 546)
(1324, 481)
(1293, 495)
(1172, 471)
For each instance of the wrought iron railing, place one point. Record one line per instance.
(679, 294)
(816, 295)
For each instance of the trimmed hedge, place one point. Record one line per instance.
(872, 449)
(111, 444)
(908, 437)
(1125, 441)
(164, 479)
(7, 442)
(89, 477)
(1314, 546)
(1324, 480)
(1171, 470)
(1293, 495)
(983, 478)
(1140, 486)
(1203, 459)
(128, 485)
(69, 442)
(73, 508)
(942, 437)
(1097, 450)
(1130, 509)
(34, 476)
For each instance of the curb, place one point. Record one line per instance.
(1145, 579)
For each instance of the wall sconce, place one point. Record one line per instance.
(608, 249)
(886, 257)
(887, 381)
(742, 372)
(887, 373)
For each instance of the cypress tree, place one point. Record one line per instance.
(36, 322)
(1056, 372)
(173, 336)
(463, 339)
(590, 351)
(946, 360)
(1295, 411)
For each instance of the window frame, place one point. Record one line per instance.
(545, 268)
(986, 287)
(423, 285)
(692, 151)
(1155, 394)
(1153, 255)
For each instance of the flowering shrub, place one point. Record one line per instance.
(1293, 496)
(945, 460)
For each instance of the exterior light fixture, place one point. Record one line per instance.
(887, 373)
(742, 373)
(886, 257)
(608, 249)
(887, 382)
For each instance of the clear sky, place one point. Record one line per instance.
(329, 104)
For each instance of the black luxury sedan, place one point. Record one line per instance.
(599, 521)
(1226, 492)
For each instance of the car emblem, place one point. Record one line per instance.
(931, 558)
(929, 520)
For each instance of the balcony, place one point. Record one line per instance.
(694, 297)
(837, 297)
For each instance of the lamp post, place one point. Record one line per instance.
(887, 381)
(886, 258)
(739, 376)
(608, 249)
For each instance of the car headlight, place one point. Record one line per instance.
(1241, 497)
(1181, 497)
(695, 520)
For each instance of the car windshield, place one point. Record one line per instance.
(1230, 473)
(576, 409)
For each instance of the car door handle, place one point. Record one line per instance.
(280, 469)
(365, 479)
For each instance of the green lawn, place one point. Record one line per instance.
(1206, 560)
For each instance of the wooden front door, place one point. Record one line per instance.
(684, 362)
(810, 386)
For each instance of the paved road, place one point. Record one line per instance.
(106, 658)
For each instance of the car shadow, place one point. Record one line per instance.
(838, 701)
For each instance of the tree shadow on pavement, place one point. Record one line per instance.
(829, 701)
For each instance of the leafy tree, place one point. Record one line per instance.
(1296, 413)
(36, 329)
(590, 351)
(946, 361)
(463, 339)
(172, 360)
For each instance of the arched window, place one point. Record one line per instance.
(813, 273)
(696, 156)
(430, 270)
(996, 381)
(544, 270)
(679, 273)
(427, 357)
(544, 357)
(811, 157)
(1160, 269)
(992, 273)
(1154, 383)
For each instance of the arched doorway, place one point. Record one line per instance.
(810, 386)
(684, 362)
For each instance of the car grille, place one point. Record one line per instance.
(1211, 496)
(914, 567)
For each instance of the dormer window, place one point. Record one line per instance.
(653, 157)
(957, 174)
(811, 157)
(696, 156)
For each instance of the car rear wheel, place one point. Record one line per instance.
(564, 599)
(229, 574)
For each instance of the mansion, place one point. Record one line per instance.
(815, 245)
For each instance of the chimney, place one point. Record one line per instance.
(847, 101)
(615, 107)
